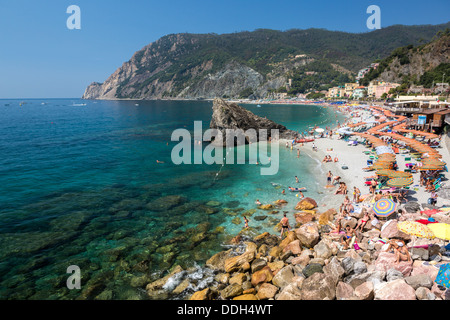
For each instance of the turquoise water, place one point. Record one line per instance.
(80, 185)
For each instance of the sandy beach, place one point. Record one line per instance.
(355, 159)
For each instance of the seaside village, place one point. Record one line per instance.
(385, 233)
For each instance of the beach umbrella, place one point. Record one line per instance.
(443, 276)
(384, 207)
(384, 172)
(434, 162)
(430, 167)
(415, 229)
(379, 166)
(441, 230)
(320, 130)
(400, 174)
(400, 182)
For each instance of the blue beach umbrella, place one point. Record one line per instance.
(443, 276)
(384, 207)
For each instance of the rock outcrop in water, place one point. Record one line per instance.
(232, 116)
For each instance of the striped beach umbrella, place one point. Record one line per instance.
(380, 165)
(430, 167)
(384, 172)
(384, 207)
(400, 174)
(434, 162)
(417, 229)
(400, 182)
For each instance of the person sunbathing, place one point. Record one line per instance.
(362, 223)
(336, 179)
(402, 253)
(345, 191)
(373, 186)
(393, 246)
(346, 239)
(378, 196)
(340, 190)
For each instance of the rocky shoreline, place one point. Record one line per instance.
(309, 264)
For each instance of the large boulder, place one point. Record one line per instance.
(283, 277)
(395, 290)
(262, 276)
(232, 116)
(235, 263)
(304, 217)
(319, 286)
(267, 291)
(308, 234)
(294, 247)
(303, 259)
(306, 204)
(390, 230)
(312, 268)
(322, 250)
(334, 269)
(420, 280)
(419, 267)
(231, 291)
(344, 291)
(365, 291)
(386, 261)
(327, 216)
(292, 290)
(289, 238)
(204, 294)
(217, 261)
(411, 207)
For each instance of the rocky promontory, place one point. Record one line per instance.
(231, 116)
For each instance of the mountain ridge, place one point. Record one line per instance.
(193, 66)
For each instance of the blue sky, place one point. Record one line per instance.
(41, 58)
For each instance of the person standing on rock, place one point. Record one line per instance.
(284, 225)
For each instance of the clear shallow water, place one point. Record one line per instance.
(79, 185)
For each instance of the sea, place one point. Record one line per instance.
(90, 186)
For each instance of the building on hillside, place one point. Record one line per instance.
(363, 72)
(359, 92)
(336, 92)
(349, 87)
(372, 88)
(384, 88)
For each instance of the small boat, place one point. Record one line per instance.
(258, 106)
